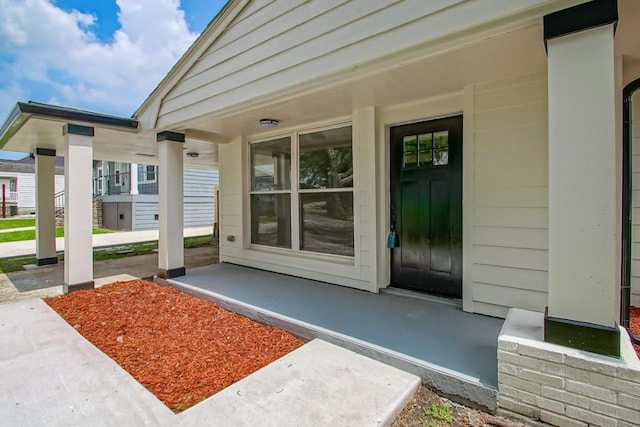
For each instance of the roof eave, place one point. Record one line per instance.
(185, 61)
(12, 123)
(23, 111)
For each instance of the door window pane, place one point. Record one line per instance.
(424, 141)
(271, 220)
(271, 165)
(326, 159)
(409, 144)
(326, 222)
(441, 139)
(410, 160)
(425, 158)
(440, 157)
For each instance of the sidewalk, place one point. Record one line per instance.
(28, 247)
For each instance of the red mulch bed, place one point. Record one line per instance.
(634, 325)
(181, 348)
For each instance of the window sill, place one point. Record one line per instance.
(311, 256)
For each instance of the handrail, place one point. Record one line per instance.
(59, 203)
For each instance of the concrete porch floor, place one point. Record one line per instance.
(453, 351)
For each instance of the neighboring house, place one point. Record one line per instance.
(491, 136)
(130, 200)
(19, 179)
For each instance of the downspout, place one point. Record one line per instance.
(627, 160)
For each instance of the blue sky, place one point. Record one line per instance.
(100, 55)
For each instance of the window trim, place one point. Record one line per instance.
(295, 190)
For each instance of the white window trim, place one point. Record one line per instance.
(295, 190)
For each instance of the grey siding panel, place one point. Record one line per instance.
(200, 183)
(144, 213)
(199, 202)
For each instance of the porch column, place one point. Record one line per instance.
(78, 206)
(133, 178)
(45, 206)
(170, 205)
(584, 238)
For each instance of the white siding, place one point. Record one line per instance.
(510, 208)
(635, 203)
(274, 45)
(26, 185)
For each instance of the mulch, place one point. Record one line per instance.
(634, 325)
(181, 348)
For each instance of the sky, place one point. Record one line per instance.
(100, 55)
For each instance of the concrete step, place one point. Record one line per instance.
(57, 377)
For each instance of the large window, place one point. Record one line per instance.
(321, 201)
(271, 193)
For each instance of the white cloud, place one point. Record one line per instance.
(52, 48)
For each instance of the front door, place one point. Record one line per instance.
(426, 206)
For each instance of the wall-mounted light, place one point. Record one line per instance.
(269, 123)
(192, 154)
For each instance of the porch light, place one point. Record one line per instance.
(192, 154)
(268, 123)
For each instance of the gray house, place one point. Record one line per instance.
(129, 195)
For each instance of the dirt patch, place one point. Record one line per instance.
(181, 348)
(428, 409)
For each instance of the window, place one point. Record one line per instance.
(117, 177)
(271, 193)
(425, 150)
(326, 192)
(321, 200)
(151, 173)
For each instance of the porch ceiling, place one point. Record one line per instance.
(35, 125)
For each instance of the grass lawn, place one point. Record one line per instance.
(16, 236)
(9, 265)
(17, 223)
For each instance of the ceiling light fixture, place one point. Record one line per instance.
(192, 154)
(269, 123)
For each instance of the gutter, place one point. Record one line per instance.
(627, 190)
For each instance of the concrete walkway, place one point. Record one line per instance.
(28, 247)
(52, 376)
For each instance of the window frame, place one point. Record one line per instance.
(295, 191)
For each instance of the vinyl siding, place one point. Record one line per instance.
(635, 203)
(199, 202)
(510, 200)
(272, 45)
(26, 183)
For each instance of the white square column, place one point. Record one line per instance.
(170, 205)
(78, 208)
(584, 237)
(133, 178)
(45, 206)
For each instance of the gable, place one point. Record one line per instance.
(269, 46)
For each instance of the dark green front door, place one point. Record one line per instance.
(426, 206)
